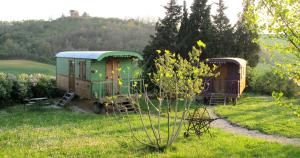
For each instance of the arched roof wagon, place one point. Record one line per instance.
(231, 81)
(97, 74)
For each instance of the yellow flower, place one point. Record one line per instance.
(167, 51)
(169, 75)
(134, 84)
(120, 83)
(196, 71)
(201, 44)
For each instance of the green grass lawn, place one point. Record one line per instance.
(26, 66)
(261, 113)
(39, 132)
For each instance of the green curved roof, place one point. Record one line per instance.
(98, 55)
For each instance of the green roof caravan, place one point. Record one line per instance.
(95, 74)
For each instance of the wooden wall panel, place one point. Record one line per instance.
(242, 85)
(83, 88)
(62, 82)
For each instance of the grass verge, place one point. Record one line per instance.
(25, 66)
(261, 113)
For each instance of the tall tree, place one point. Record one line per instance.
(200, 26)
(184, 34)
(165, 37)
(223, 39)
(245, 45)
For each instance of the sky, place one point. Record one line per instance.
(16, 10)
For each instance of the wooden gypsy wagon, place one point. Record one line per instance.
(97, 74)
(230, 83)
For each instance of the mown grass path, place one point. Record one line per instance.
(236, 129)
(263, 114)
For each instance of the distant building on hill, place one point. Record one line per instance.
(74, 13)
(85, 15)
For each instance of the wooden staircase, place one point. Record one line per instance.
(123, 105)
(217, 99)
(68, 96)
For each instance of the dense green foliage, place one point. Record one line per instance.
(222, 39)
(44, 132)
(17, 88)
(200, 27)
(41, 40)
(182, 43)
(267, 81)
(263, 114)
(6, 85)
(26, 66)
(244, 38)
(165, 36)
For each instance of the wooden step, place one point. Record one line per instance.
(217, 98)
(68, 96)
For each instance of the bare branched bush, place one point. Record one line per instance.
(161, 115)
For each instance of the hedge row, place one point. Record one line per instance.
(14, 89)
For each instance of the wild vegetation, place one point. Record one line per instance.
(221, 38)
(281, 20)
(41, 40)
(263, 80)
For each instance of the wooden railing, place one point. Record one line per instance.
(224, 86)
(111, 88)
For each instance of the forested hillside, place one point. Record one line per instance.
(41, 40)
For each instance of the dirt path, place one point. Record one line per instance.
(235, 129)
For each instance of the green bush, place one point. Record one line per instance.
(6, 84)
(269, 82)
(42, 86)
(20, 88)
(17, 88)
(249, 76)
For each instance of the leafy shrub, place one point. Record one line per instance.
(249, 77)
(269, 82)
(20, 88)
(44, 86)
(17, 88)
(6, 84)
